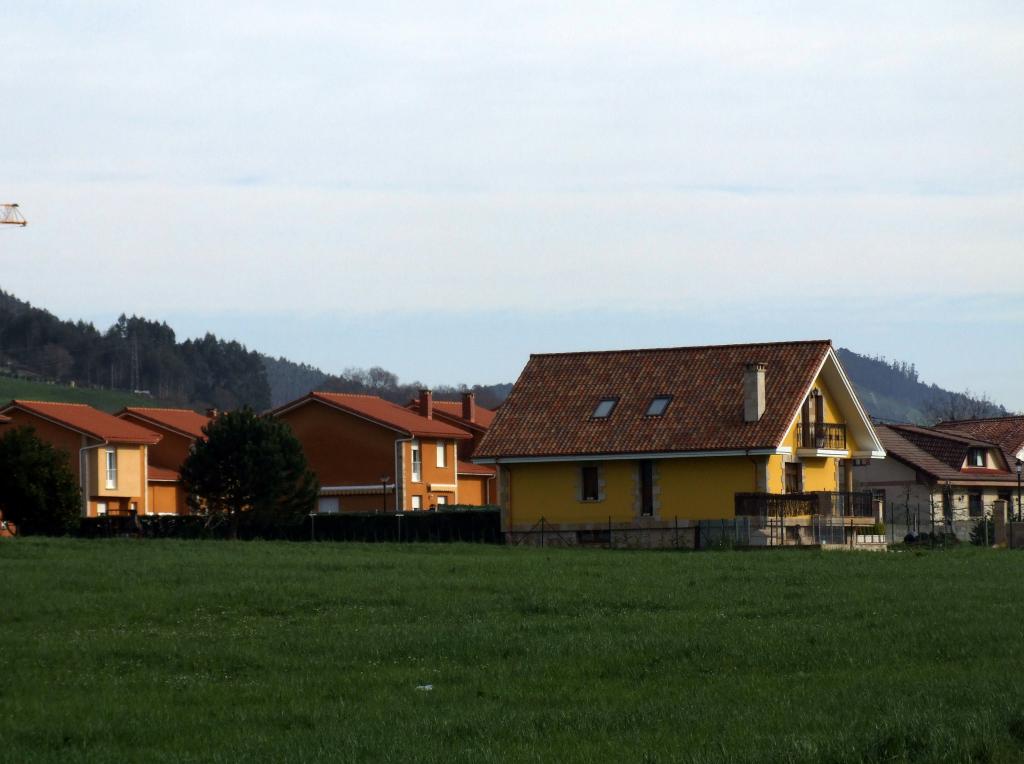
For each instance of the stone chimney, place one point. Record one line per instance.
(469, 406)
(753, 392)
(427, 403)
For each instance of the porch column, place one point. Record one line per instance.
(761, 475)
(848, 475)
(999, 521)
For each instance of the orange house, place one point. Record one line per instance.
(108, 456)
(477, 482)
(179, 430)
(372, 455)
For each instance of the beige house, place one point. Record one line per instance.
(108, 456)
(939, 472)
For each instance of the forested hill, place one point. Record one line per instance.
(133, 354)
(136, 354)
(891, 391)
(289, 380)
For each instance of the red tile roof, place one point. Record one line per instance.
(908, 444)
(468, 468)
(453, 409)
(4, 419)
(183, 421)
(163, 474)
(1006, 431)
(548, 412)
(385, 413)
(948, 447)
(87, 420)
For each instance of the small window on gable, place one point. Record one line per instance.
(976, 457)
(604, 408)
(658, 405)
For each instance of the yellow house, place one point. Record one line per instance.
(107, 455)
(646, 446)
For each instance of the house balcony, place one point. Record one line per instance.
(823, 518)
(855, 505)
(821, 439)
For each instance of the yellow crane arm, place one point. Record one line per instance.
(11, 215)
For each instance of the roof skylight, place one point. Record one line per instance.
(604, 408)
(658, 405)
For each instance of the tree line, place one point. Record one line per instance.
(892, 391)
(133, 354)
(289, 380)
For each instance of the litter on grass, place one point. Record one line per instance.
(425, 687)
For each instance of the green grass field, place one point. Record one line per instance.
(105, 400)
(172, 651)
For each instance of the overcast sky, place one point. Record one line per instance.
(444, 188)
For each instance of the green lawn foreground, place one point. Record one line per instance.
(125, 650)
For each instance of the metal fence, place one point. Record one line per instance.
(921, 522)
(673, 535)
(773, 531)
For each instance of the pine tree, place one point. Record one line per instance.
(250, 472)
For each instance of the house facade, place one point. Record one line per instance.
(179, 430)
(108, 456)
(941, 475)
(478, 483)
(372, 455)
(1007, 432)
(657, 440)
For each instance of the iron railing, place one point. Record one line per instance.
(821, 435)
(815, 503)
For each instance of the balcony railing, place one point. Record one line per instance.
(821, 503)
(821, 435)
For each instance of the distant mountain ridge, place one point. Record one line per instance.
(138, 354)
(891, 391)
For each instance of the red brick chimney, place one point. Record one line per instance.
(427, 403)
(469, 406)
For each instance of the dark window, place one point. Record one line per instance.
(976, 457)
(590, 486)
(658, 405)
(647, 488)
(794, 477)
(974, 506)
(604, 408)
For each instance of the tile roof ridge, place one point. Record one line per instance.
(349, 395)
(55, 403)
(1002, 418)
(682, 347)
(937, 433)
(160, 408)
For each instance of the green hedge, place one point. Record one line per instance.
(457, 523)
